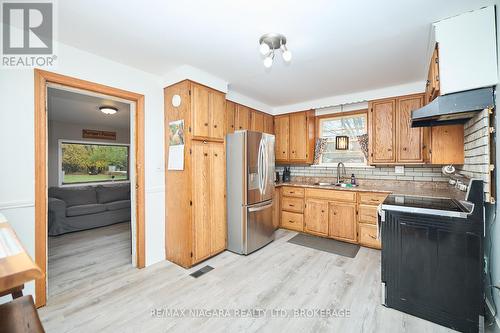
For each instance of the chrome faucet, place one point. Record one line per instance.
(340, 168)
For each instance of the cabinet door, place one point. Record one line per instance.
(382, 140)
(201, 117)
(217, 197)
(242, 119)
(230, 110)
(316, 217)
(342, 221)
(435, 73)
(281, 130)
(298, 136)
(268, 124)
(257, 121)
(447, 144)
(217, 107)
(409, 139)
(201, 200)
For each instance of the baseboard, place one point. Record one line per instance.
(489, 308)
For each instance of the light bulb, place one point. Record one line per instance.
(268, 61)
(264, 48)
(287, 56)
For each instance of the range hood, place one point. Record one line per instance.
(455, 108)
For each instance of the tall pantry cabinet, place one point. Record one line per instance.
(196, 196)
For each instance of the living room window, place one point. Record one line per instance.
(90, 162)
(354, 126)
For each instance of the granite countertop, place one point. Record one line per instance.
(413, 188)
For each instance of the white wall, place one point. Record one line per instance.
(17, 142)
(59, 130)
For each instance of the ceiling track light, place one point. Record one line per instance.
(271, 42)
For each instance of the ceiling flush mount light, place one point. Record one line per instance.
(271, 42)
(108, 109)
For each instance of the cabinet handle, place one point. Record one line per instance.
(291, 205)
(372, 237)
(290, 221)
(389, 149)
(404, 149)
(206, 124)
(215, 126)
(205, 154)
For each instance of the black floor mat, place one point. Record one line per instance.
(201, 271)
(326, 244)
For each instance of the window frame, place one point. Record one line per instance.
(336, 115)
(60, 176)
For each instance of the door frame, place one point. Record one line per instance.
(42, 78)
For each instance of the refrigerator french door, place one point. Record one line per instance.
(250, 187)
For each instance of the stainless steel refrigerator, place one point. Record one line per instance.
(250, 188)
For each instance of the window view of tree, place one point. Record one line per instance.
(83, 163)
(351, 126)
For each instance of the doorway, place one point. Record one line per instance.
(44, 80)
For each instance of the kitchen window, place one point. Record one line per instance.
(90, 162)
(353, 125)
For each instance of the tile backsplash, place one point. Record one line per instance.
(411, 173)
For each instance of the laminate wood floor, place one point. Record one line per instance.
(280, 276)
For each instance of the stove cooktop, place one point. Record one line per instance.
(425, 202)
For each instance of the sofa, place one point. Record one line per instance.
(86, 207)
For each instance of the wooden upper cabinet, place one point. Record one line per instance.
(217, 106)
(382, 132)
(447, 144)
(268, 124)
(201, 116)
(281, 130)
(256, 121)
(230, 114)
(342, 221)
(298, 137)
(316, 217)
(432, 86)
(409, 140)
(208, 108)
(242, 117)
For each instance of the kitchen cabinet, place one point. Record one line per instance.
(432, 87)
(281, 132)
(256, 121)
(447, 144)
(208, 199)
(382, 131)
(242, 117)
(295, 137)
(208, 109)
(268, 124)
(316, 217)
(230, 111)
(276, 207)
(195, 221)
(342, 221)
(292, 208)
(409, 140)
(368, 218)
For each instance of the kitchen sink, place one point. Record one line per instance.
(325, 184)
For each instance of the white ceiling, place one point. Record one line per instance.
(338, 46)
(76, 108)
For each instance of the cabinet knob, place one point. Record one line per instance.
(215, 126)
(404, 149)
(206, 124)
(322, 211)
(389, 149)
(205, 154)
(215, 154)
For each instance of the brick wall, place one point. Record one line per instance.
(477, 157)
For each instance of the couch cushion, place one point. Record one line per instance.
(107, 194)
(115, 205)
(85, 209)
(74, 196)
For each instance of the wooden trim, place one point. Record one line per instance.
(41, 79)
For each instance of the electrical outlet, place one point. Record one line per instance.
(399, 170)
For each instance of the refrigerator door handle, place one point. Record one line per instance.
(259, 208)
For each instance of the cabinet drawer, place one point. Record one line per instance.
(292, 191)
(292, 204)
(372, 198)
(294, 221)
(368, 214)
(331, 194)
(368, 236)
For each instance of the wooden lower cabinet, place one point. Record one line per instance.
(342, 221)
(293, 221)
(276, 207)
(316, 217)
(368, 236)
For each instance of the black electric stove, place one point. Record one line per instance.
(427, 205)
